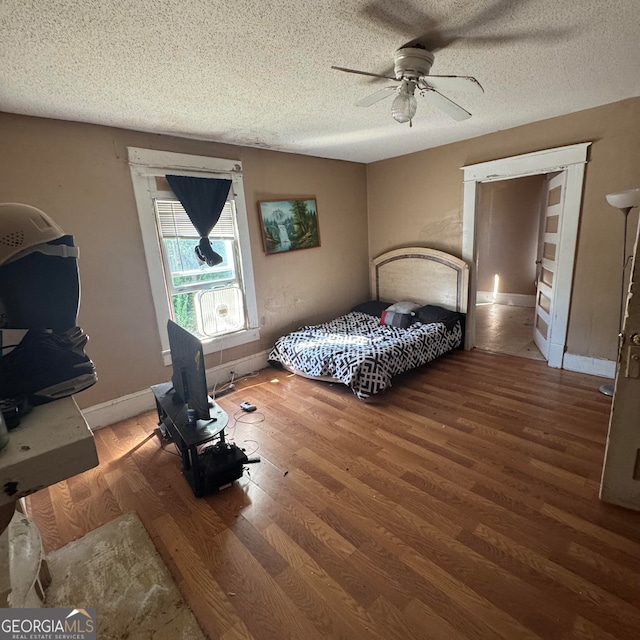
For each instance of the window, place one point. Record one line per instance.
(216, 303)
(208, 301)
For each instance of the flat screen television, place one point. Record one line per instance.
(189, 378)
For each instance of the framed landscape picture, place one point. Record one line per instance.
(288, 225)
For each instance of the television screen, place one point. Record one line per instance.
(189, 377)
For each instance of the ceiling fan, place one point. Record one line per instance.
(411, 67)
(413, 60)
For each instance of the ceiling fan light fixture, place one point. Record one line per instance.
(404, 105)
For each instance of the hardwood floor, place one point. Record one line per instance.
(463, 503)
(504, 328)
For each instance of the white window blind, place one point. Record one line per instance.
(175, 223)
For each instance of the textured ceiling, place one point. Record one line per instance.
(258, 73)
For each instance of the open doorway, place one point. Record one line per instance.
(510, 226)
(553, 293)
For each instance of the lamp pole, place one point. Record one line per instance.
(625, 211)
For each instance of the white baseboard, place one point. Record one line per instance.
(513, 299)
(593, 366)
(106, 413)
(133, 404)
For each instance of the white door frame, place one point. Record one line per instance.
(571, 159)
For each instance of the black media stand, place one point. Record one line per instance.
(216, 465)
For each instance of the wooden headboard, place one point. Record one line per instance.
(427, 276)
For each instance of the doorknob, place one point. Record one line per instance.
(635, 339)
(538, 261)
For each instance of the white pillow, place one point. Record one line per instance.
(404, 307)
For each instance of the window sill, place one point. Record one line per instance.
(223, 342)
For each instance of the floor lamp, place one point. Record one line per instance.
(625, 201)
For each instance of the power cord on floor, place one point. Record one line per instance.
(256, 449)
(230, 386)
(170, 440)
(254, 417)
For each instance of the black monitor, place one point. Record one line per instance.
(189, 377)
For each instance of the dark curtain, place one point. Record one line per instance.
(203, 199)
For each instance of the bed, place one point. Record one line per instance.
(364, 351)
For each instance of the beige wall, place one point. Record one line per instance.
(508, 222)
(417, 199)
(78, 174)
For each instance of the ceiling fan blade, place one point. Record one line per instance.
(492, 13)
(432, 41)
(376, 97)
(363, 73)
(438, 37)
(377, 13)
(467, 84)
(402, 18)
(533, 35)
(448, 106)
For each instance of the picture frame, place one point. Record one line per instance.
(289, 224)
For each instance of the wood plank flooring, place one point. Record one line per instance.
(461, 504)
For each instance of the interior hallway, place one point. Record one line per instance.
(507, 329)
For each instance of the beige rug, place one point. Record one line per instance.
(117, 570)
